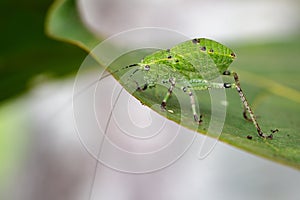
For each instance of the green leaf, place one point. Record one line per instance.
(27, 52)
(269, 77)
(63, 23)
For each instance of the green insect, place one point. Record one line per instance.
(188, 66)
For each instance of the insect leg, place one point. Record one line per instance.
(228, 73)
(170, 90)
(192, 100)
(244, 101)
(141, 89)
(138, 87)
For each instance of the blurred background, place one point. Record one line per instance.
(41, 156)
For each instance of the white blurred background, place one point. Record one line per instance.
(54, 163)
(223, 20)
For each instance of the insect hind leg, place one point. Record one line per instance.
(245, 102)
(245, 114)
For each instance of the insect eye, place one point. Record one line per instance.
(147, 67)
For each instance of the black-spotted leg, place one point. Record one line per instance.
(245, 102)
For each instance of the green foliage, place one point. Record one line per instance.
(27, 52)
(12, 139)
(71, 29)
(268, 76)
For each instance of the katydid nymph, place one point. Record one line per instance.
(185, 66)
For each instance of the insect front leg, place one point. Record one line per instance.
(138, 87)
(170, 90)
(244, 101)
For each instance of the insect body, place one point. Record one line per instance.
(192, 65)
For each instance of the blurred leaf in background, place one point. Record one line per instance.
(26, 51)
(27, 56)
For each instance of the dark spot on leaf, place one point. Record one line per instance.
(177, 61)
(211, 50)
(169, 57)
(249, 137)
(232, 55)
(203, 48)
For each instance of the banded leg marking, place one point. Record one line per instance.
(170, 90)
(245, 103)
(193, 105)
